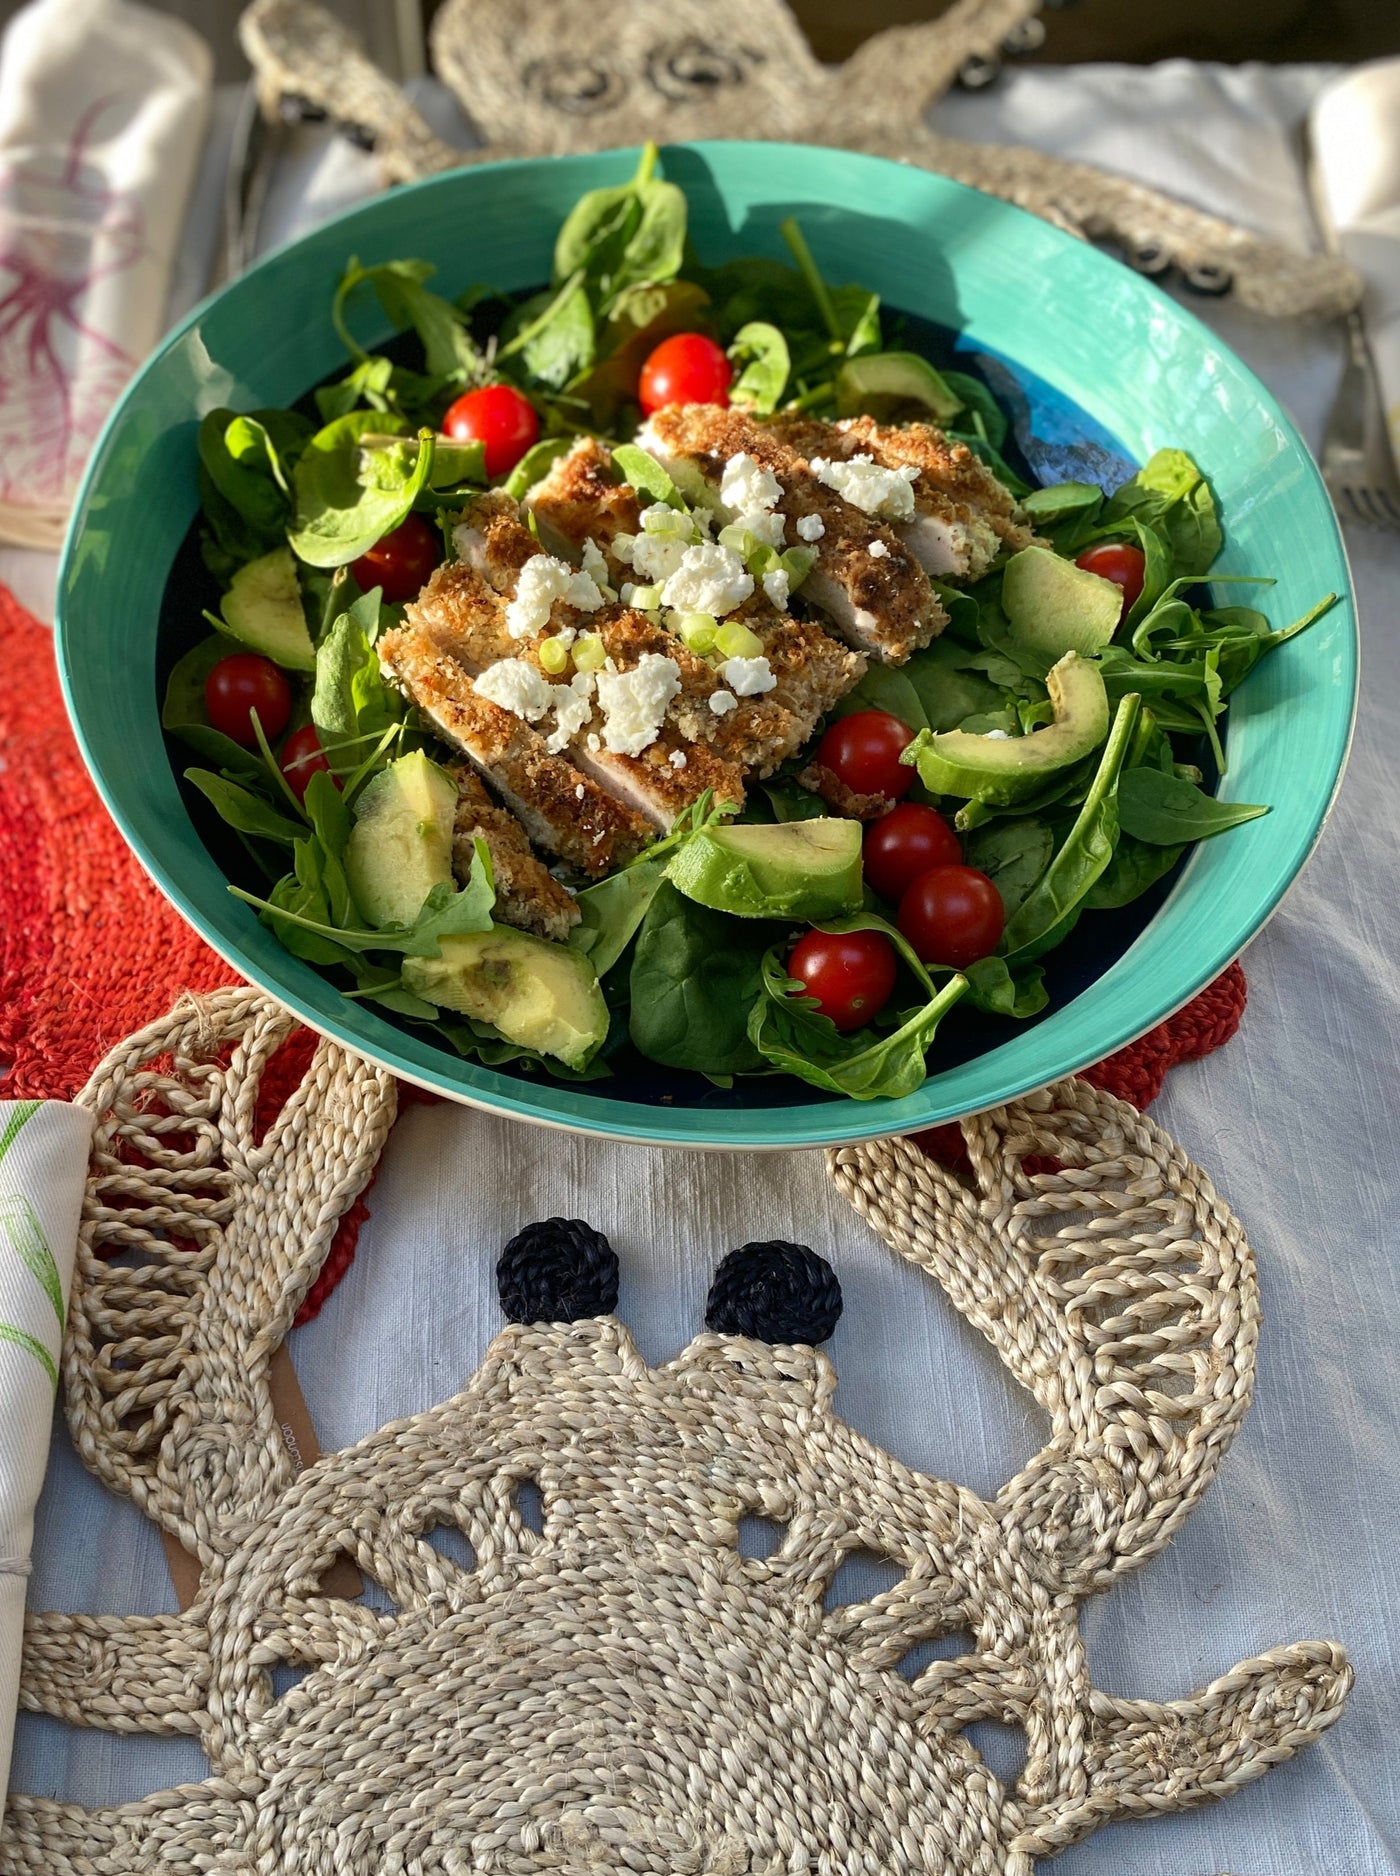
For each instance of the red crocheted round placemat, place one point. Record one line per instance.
(89, 951)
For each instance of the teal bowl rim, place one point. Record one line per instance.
(985, 1081)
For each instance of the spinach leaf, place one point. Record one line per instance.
(553, 334)
(348, 496)
(884, 688)
(1134, 867)
(242, 809)
(1086, 850)
(1050, 506)
(367, 384)
(980, 404)
(1166, 811)
(993, 987)
(949, 686)
(534, 464)
(695, 977)
(1171, 497)
(790, 802)
(611, 912)
(761, 352)
(643, 473)
(1013, 853)
(625, 236)
(248, 460)
(962, 610)
(790, 1033)
(445, 912)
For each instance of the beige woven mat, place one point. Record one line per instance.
(613, 1686)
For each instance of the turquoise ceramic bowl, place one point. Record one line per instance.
(1091, 336)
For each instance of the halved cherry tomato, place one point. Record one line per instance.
(1120, 562)
(863, 751)
(500, 418)
(302, 755)
(952, 915)
(687, 368)
(904, 843)
(401, 561)
(241, 684)
(851, 974)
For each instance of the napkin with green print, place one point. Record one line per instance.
(43, 1164)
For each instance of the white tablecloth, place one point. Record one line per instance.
(1296, 1120)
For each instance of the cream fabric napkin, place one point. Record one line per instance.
(43, 1164)
(1355, 134)
(103, 110)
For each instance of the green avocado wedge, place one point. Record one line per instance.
(1054, 606)
(262, 608)
(541, 995)
(794, 869)
(1004, 770)
(401, 844)
(894, 386)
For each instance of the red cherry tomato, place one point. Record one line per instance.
(863, 751)
(904, 843)
(499, 417)
(952, 915)
(302, 755)
(238, 686)
(401, 562)
(851, 974)
(687, 368)
(1125, 565)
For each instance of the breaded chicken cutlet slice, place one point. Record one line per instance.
(561, 810)
(963, 517)
(580, 500)
(463, 617)
(866, 582)
(758, 733)
(527, 894)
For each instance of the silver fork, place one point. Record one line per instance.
(1357, 463)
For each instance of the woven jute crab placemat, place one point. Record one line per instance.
(612, 1685)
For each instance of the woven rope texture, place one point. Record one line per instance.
(612, 1686)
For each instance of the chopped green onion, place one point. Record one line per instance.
(735, 640)
(697, 630)
(590, 654)
(647, 597)
(554, 655)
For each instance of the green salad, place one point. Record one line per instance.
(668, 664)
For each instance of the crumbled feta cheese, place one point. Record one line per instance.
(573, 707)
(677, 758)
(710, 578)
(723, 701)
(662, 518)
(746, 484)
(888, 493)
(811, 527)
(878, 550)
(634, 702)
(580, 792)
(543, 579)
(998, 736)
(656, 556)
(775, 586)
(596, 567)
(771, 529)
(516, 686)
(747, 677)
(595, 741)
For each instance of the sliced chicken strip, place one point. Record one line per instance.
(561, 810)
(579, 501)
(463, 617)
(866, 581)
(758, 733)
(527, 894)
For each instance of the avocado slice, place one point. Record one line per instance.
(1005, 770)
(796, 869)
(543, 996)
(1055, 607)
(401, 844)
(262, 608)
(894, 384)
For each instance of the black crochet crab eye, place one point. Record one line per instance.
(775, 1292)
(557, 1270)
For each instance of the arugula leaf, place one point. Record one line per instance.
(349, 496)
(790, 1033)
(1165, 810)
(1170, 496)
(552, 334)
(1085, 852)
(761, 352)
(695, 976)
(450, 353)
(243, 810)
(445, 912)
(351, 702)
